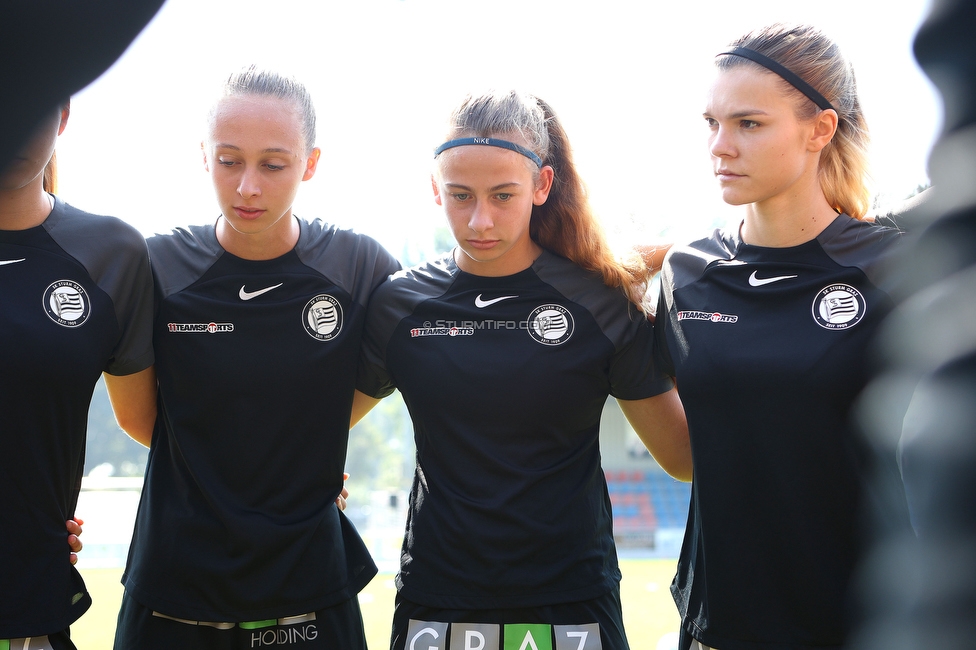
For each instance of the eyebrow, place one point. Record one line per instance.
(748, 113)
(740, 114)
(458, 186)
(221, 145)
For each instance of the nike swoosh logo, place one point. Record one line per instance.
(481, 304)
(5, 262)
(247, 295)
(758, 282)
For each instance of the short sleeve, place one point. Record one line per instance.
(634, 372)
(116, 257)
(132, 294)
(372, 377)
(661, 353)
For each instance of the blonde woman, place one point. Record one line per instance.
(767, 330)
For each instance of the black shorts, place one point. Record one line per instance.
(57, 641)
(588, 625)
(339, 627)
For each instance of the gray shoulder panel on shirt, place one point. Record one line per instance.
(610, 308)
(114, 255)
(685, 264)
(867, 246)
(182, 256)
(392, 302)
(354, 261)
(399, 297)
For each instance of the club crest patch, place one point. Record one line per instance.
(550, 324)
(322, 317)
(838, 307)
(66, 303)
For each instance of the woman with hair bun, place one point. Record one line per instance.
(238, 542)
(767, 329)
(505, 351)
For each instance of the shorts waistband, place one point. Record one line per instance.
(246, 625)
(26, 643)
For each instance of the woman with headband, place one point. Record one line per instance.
(505, 352)
(767, 330)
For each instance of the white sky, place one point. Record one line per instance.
(626, 77)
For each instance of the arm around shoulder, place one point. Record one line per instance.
(133, 399)
(660, 423)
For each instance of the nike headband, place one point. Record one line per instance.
(491, 142)
(791, 77)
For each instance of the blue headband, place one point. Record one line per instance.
(491, 142)
(791, 77)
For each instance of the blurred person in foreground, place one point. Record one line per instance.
(919, 585)
(51, 49)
